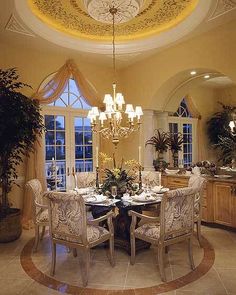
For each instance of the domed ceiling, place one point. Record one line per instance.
(71, 17)
(140, 25)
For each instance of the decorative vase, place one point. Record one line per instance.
(160, 156)
(175, 158)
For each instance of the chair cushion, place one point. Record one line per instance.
(150, 230)
(42, 216)
(94, 233)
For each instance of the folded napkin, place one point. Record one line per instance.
(83, 191)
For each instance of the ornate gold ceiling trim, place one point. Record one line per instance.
(157, 16)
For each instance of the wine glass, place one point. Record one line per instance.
(114, 191)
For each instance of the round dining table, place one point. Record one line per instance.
(122, 220)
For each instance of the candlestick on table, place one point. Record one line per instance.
(139, 155)
(97, 178)
(140, 177)
(159, 178)
(96, 159)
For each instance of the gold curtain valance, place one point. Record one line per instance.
(57, 84)
(191, 107)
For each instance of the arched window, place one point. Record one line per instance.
(71, 97)
(183, 110)
(182, 121)
(68, 138)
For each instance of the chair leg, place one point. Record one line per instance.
(161, 262)
(42, 233)
(190, 253)
(199, 236)
(74, 252)
(133, 250)
(111, 250)
(86, 264)
(54, 253)
(36, 239)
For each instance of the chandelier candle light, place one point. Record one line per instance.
(114, 105)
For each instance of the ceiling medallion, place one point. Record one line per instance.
(136, 19)
(100, 10)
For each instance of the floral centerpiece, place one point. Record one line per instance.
(122, 176)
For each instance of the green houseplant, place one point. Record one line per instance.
(175, 145)
(220, 135)
(20, 123)
(160, 141)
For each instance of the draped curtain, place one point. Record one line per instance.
(196, 114)
(35, 164)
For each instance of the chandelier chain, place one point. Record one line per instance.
(113, 45)
(114, 106)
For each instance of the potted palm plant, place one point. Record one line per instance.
(20, 123)
(160, 141)
(175, 141)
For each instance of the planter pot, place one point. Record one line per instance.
(176, 159)
(10, 226)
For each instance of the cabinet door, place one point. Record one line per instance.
(223, 203)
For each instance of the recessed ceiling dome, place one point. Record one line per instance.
(69, 24)
(100, 9)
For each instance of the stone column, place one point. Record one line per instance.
(146, 132)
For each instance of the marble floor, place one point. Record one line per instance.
(25, 273)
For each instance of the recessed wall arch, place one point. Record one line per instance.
(179, 86)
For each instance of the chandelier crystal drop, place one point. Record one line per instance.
(112, 117)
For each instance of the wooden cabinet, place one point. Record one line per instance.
(224, 209)
(219, 199)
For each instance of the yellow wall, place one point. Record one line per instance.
(141, 82)
(214, 50)
(33, 67)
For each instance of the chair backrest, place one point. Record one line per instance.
(151, 178)
(197, 182)
(177, 213)
(36, 187)
(86, 179)
(67, 217)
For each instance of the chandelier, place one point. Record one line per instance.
(232, 123)
(109, 123)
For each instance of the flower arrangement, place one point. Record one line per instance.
(122, 176)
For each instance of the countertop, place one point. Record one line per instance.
(209, 178)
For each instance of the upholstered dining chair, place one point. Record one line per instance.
(151, 178)
(39, 210)
(69, 226)
(86, 179)
(176, 225)
(197, 182)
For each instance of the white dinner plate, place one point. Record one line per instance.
(161, 191)
(95, 199)
(145, 198)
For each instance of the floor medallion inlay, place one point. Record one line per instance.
(43, 278)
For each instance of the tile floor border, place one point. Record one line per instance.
(40, 277)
